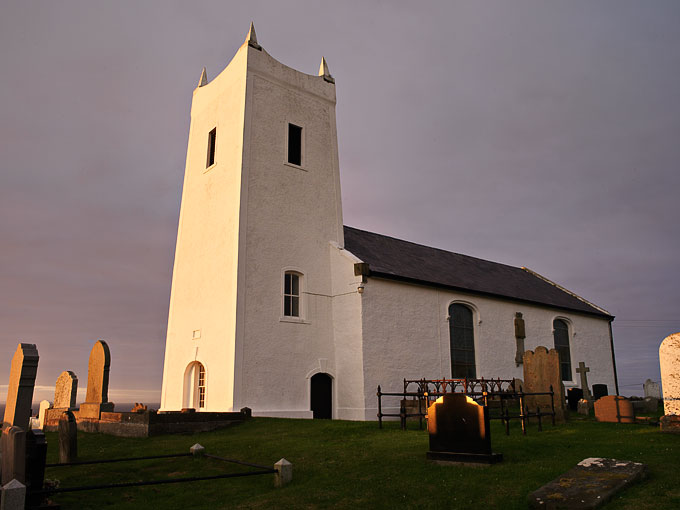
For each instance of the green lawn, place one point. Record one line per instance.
(342, 464)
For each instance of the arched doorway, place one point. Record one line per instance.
(194, 386)
(322, 396)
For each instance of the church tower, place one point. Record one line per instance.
(250, 318)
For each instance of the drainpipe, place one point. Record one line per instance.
(611, 343)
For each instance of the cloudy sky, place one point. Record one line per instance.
(533, 133)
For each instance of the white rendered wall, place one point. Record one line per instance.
(292, 212)
(203, 296)
(406, 335)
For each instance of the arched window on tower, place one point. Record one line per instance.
(461, 331)
(561, 336)
(291, 294)
(194, 386)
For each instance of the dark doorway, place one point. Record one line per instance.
(322, 396)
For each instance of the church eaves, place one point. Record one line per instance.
(396, 259)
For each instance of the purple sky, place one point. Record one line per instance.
(538, 134)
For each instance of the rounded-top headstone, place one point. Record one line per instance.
(65, 390)
(669, 361)
(98, 373)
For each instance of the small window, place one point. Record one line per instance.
(212, 136)
(294, 144)
(291, 295)
(561, 336)
(201, 386)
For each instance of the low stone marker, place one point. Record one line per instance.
(590, 484)
(647, 405)
(669, 361)
(584, 406)
(459, 431)
(65, 390)
(68, 437)
(652, 389)
(197, 450)
(614, 409)
(13, 495)
(284, 473)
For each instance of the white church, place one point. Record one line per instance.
(277, 306)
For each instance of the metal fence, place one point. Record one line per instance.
(497, 393)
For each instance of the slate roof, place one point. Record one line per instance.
(395, 259)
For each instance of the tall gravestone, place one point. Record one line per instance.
(652, 389)
(68, 437)
(541, 371)
(65, 390)
(44, 406)
(97, 399)
(459, 431)
(21, 384)
(669, 360)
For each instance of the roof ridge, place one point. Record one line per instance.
(434, 248)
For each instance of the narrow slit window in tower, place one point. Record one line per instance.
(294, 144)
(212, 136)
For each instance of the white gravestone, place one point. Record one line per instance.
(652, 389)
(669, 359)
(44, 406)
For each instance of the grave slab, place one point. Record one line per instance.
(590, 484)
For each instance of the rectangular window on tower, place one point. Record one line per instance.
(212, 136)
(294, 144)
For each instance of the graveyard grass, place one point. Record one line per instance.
(341, 464)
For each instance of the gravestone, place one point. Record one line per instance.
(647, 405)
(13, 454)
(284, 473)
(20, 389)
(459, 431)
(68, 437)
(44, 406)
(520, 335)
(97, 399)
(590, 484)
(600, 390)
(584, 406)
(36, 457)
(65, 390)
(13, 496)
(573, 396)
(614, 409)
(669, 360)
(583, 370)
(541, 371)
(652, 389)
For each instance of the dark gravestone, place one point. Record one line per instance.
(36, 455)
(600, 390)
(13, 455)
(68, 437)
(573, 396)
(459, 431)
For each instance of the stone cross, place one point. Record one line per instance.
(583, 370)
(65, 390)
(20, 390)
(669, 361)
(97, 399)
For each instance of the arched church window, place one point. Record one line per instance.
(561, 336)
(291, 294)
(461, 331)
